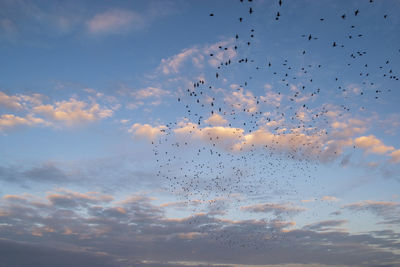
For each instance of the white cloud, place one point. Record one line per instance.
(114, 21)
(242, 100)
(150, 92)
(197, 55)
(216, 120)
(174, 63)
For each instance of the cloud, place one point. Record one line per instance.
(220, 55)
(276, 209)
(149, 96)
(271, 98)
(325, 225)
(294, 143)
(242, 99)
(20, 101)
(9, 121)
(47, 172)
(150, 92)
(135, 231)
(174, 63)
(68, 198)
(348, 129)
(330, 198)
(395, 156)
(196, 55)
(146, 131)
(114, 21)
(215, 120)
(277, 136)
(32, 111)
(222, 136)
(372, 144)
(48, 256)
(387, 210)
(73, 111)
(10, 101)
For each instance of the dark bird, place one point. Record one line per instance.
(356, 12)
(343, 16)
(211, 15)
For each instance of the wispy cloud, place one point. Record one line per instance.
(114, 21)
(196, 56)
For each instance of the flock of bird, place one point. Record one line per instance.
(209, 167)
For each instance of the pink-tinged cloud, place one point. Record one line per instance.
(73, 111)
(146, 131)
(9, 121)
(372, 145)
(395, 156)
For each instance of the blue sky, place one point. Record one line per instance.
(149, 133)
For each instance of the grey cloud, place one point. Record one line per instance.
(46, 172)
(276, 209)
(325, 225)
(15, 254)
(135, 231)
(388, 211)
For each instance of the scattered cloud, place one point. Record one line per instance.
(150, 92)
(372, 144)
(197, 55)
(146, 131)
(114, 21)
(35, 112)
(325, 225)
(388, 210)
(216, 120)
(276, 209)
(241, 99)
(395, 156)
(9, 121)
(330, 198)
(73, 111)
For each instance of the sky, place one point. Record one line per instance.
(200, 133)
